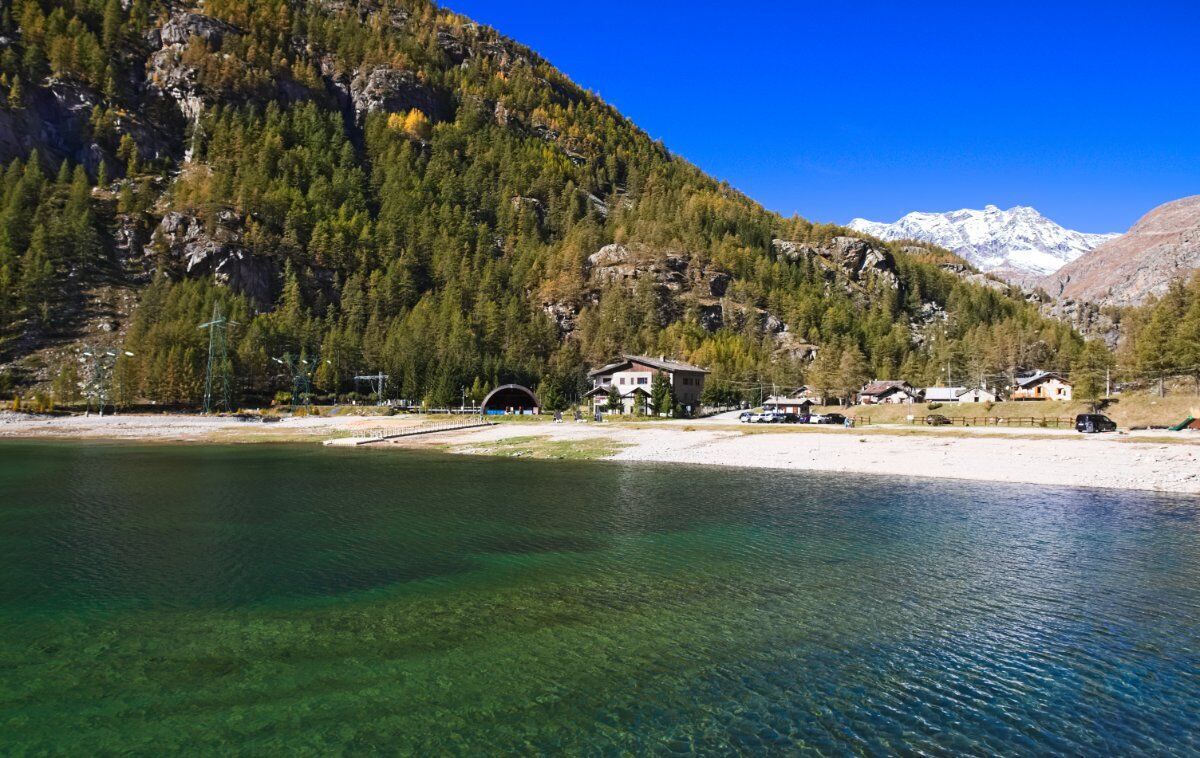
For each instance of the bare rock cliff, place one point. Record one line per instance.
(1161, 247)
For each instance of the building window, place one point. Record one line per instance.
(643, 380)
(622, 380)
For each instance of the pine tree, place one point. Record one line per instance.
(661, 397)
(16, 94)
(614, 403)
(853, 371)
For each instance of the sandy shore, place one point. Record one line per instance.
(1149, 461)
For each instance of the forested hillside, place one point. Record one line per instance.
(393, 188)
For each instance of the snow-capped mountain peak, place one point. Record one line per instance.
(1018, 242)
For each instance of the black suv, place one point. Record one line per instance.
(1092, 423)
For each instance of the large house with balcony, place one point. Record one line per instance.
(1042, 385)
(633, 378)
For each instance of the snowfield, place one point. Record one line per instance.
(1018, 241)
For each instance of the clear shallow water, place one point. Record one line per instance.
(292, 599)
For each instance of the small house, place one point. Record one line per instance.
(1042, 385)
(889, 392)
(788, 404)
(942, 394)
(977, 395)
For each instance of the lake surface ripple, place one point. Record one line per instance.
(291, 599)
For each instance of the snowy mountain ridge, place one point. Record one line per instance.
(1018, 243)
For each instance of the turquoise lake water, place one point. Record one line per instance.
(293, 599)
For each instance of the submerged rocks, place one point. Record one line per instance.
(216, 249)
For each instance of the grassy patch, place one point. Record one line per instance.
(543, 448)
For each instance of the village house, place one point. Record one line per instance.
(788, 404)
(633, 378)
(977, 395)
(1042, 385)
(889, 392)
(942, 394)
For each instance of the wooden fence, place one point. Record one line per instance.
(1042, 422)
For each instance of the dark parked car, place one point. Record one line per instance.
(833, 418)
(1093, 423)
(937, 419)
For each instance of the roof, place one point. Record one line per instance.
(503, 387)
(1038, 377)
(969, 390)
(606, 369)
(793, 400)
(880, 387)
(661, 364)
(944, 393)
(635, 389)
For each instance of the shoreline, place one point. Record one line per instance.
(1047, 457)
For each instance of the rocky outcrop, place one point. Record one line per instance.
(1087, 318)
(217, 250)
(368, 11)
(672, 271)
(166, 72)
(855, 260)
(392, 90)
(180, 28)
(1161, 247)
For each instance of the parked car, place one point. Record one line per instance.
(746, 416)
(815, 418)
(832, 418)
(786, 418)
(937, 419)
(1094, 423)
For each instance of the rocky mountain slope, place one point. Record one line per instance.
(395, 188)
(1163, 246)
(1018, 244)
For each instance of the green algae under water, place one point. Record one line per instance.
(299, 600)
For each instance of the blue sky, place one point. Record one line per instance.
(1089, 112)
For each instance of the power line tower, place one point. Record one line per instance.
(377, 382)
(98, 388)
(300, 370)
(218, 360)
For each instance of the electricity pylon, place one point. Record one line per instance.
(218, 357)
(377, 382)
(99, 385)
(300, 370)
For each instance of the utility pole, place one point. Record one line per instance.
(218, 357)
(1108, 381)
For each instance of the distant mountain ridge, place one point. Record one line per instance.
(1018, 244)
(1163, 246)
